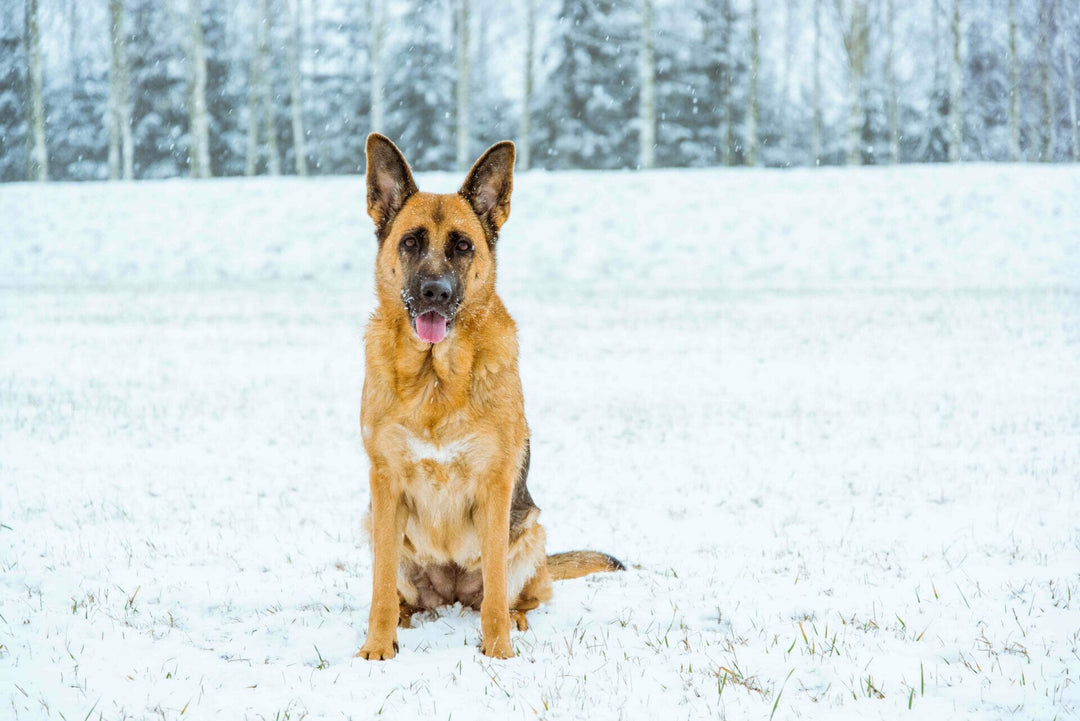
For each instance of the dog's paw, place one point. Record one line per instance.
(495, 633)
(405, 617)
(377, 651)
(518, 617)
(499, 648)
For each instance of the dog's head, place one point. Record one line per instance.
(436, 252)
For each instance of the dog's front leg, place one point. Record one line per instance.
(381, 643)
(495, 541)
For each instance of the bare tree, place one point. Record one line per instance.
(254, 82)
(788, 98)
(377, 25)
(755, 66)
(296, 97)
(463, 85)
(71, 12)
(273, 158)
(38, 157)
(524, 143)
(935, 32)
(260, 98)
(890, 72)
(1070, 83)
(726, 83)
(199, 156)
(647, 107)
(121, 143)
(956, 89)
(1014, 88)
(1046, 31)
(855, 33)
(816, 138)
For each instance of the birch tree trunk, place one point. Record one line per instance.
(524, 141)
(463, 85)
(260, 98)
(296, 97)
(273, 158)
(1046, 12)
(755, 65)
(956, 90)
(647, 109)
(939, 101)
(788, 101)
(1014, 88)
(816, 138)
(38, 157)
(74, 66)
(858, 75)
(113, 116)
(121, 143)
(855, 37)
(890, 71)
(729, 98)
(255, 73)
(378, 36)
(199, 159)
(1070, 81)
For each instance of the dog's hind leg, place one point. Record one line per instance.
(518, 617)
(536, 591)
(405, 614)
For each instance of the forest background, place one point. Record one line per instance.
(157, 89)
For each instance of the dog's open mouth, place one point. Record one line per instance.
(431, 326)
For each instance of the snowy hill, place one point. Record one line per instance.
(831, 420)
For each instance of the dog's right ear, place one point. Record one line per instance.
(389, 181)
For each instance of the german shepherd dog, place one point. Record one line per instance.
(443, 418)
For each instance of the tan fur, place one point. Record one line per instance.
(444, 424)
(575, 564)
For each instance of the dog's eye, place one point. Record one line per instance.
(409, 241)
(463, 246)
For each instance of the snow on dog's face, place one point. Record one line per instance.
(437, 252)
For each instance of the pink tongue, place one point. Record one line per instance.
(431, 327)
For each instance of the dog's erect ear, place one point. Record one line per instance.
(389, 180)
(488, 185)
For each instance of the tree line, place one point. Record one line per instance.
(129, 89)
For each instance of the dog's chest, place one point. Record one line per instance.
(443, 464)
(440, 489)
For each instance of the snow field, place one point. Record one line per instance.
(831, 420)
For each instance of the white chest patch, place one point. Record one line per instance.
(421, 450)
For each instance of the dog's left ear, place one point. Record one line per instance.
(488, 185)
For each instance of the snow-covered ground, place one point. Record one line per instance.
(830, 419)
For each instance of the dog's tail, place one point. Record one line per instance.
(575, 564)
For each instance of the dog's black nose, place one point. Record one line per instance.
(436, 290)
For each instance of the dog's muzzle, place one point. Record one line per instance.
(432, 304)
